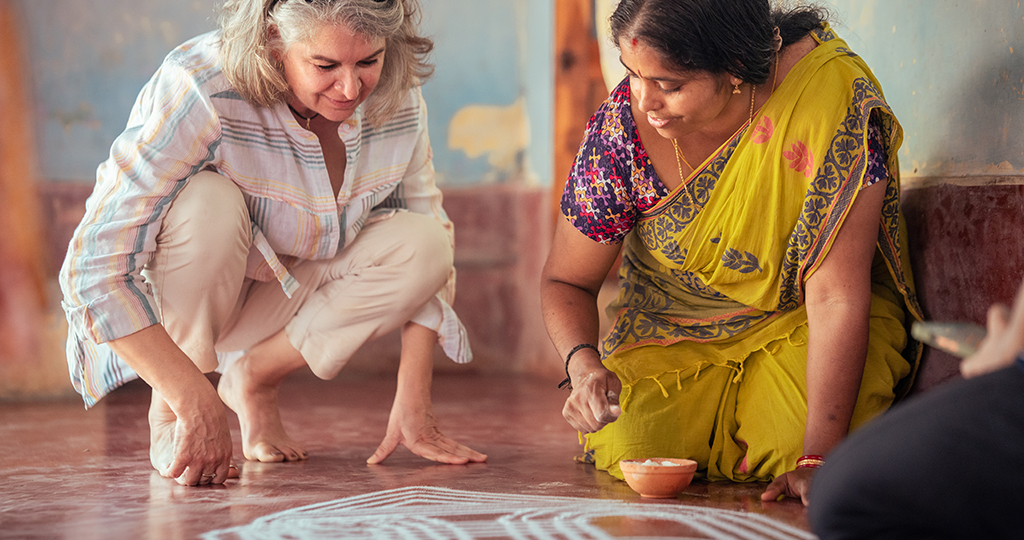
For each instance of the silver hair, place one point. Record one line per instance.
(252, 30)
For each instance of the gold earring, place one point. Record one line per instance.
(736, 88)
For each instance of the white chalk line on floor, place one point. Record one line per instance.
(432, 513)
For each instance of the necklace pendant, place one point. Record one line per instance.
(307, 119)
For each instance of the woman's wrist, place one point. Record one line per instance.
(818, 445)
(825, 431)
(583, 359)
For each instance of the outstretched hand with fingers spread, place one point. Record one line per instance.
(412, 420)
(416, 428)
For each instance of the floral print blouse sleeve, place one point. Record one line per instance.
(612, 179)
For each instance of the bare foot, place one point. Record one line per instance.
(263, 435)
(162, 422)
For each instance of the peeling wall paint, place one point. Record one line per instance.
(953, 71)
(490, 53)
(502, 134)
(611, 67)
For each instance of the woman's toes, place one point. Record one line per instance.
(265, 453)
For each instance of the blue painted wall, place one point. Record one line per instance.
(89, 58)
(491, 52)
(88, 61)
(953, 71)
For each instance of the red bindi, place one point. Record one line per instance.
(634, 42)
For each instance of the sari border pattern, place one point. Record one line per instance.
(838, 180)
(640, 320)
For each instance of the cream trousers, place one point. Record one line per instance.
(385, 277)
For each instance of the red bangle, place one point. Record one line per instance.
(810, 462)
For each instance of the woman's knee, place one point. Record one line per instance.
(682, 409)
(426, 249)
(208, 221)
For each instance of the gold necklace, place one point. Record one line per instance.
(679, 155)
(753, 90)
(680, 158)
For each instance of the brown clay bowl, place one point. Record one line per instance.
(658, 481)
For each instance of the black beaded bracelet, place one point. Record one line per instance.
(568, 381)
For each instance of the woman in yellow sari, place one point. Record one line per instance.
(746, 170)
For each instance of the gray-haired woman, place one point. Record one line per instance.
(273, 193)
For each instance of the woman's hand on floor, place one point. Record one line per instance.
(189, 436)
(193, 447)
(594, 401)
(795, 483)
(416, 428)
(412, 420)
(201, 448)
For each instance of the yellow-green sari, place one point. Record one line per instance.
(709, 332)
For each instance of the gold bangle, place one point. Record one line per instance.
(809, 463)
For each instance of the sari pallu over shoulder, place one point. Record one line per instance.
(724, 257)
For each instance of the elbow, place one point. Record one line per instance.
(553, 285)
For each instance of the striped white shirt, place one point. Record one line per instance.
(188, 118)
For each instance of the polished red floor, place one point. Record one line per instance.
(71, 473)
